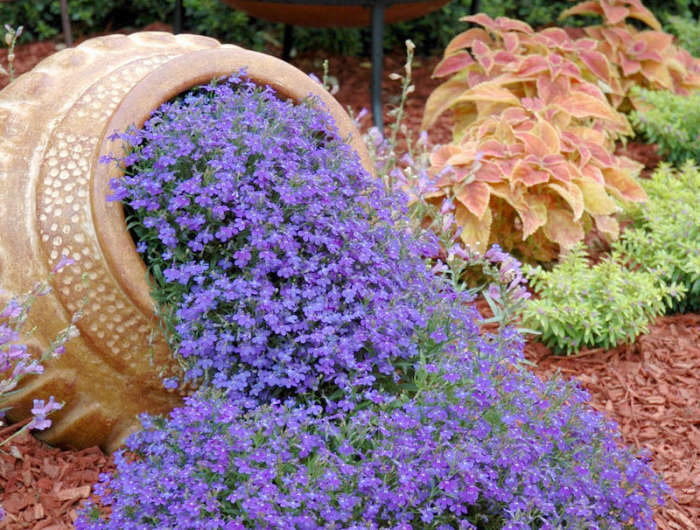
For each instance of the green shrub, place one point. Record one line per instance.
(666, 231)
(42, 18)
(686, 30)
(670, 120)
(599, 306)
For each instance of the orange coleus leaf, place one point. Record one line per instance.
(572, 195)
(474, 195)
(546, 132)
(452, 64)
(592, 7)
(491, 171)
(582, 105)
(475, 231)
(531, 209)
(562, 228)
(595, 200)
(489, 91)
(554, 37)
(483, 55)
(528, 175)
(442, 99)
(658, 73)
(466, 39)
(439, 158)
(623, 185)
(607, 225)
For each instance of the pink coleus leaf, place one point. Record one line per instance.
(453, 63)
(466, 39)
(613, 14)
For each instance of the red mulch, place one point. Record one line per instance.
(650, 388)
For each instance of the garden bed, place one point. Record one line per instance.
(650, 388)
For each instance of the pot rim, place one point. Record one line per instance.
(159, 86)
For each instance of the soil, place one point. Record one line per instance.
(650, 388)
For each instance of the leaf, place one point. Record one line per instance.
(548, 89)
(658, 73)
(597, 63)
(533, 144)
(595, 200)
(442, 99)
(488, 91)
(475, 196)
(529, 176)
(466, 40)
(482, 19)
(549, 136)
(475, 232)
(607, 225)
(532, 65)
(562, 228)
(591, 7)
(453, 63)
(623, 186)
(572, 195)
(614, 14)
(580, 105)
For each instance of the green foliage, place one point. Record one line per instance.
(594, 306)
(670, 120)
(686, 30)
(666, 231)
(206, 17)
(42, 18)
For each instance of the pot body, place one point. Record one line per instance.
(319, 15)
(54, 127)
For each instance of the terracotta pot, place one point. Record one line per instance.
(54, 124)
(297, 13)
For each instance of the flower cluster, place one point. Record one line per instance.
(281, 264)
(481, 445)
(349, 384)
(16, 362)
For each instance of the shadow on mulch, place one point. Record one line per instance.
(650, 388)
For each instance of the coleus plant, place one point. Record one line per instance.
(645, 58)
(533, 136)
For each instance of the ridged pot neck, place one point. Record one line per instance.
(161, 85)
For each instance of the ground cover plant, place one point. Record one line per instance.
(671, 121)
(665, 234)
(278, 263)
(596, 306)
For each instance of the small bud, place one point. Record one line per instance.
(394, 76)
(10, 57)
(410, 46)
(8, 38)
